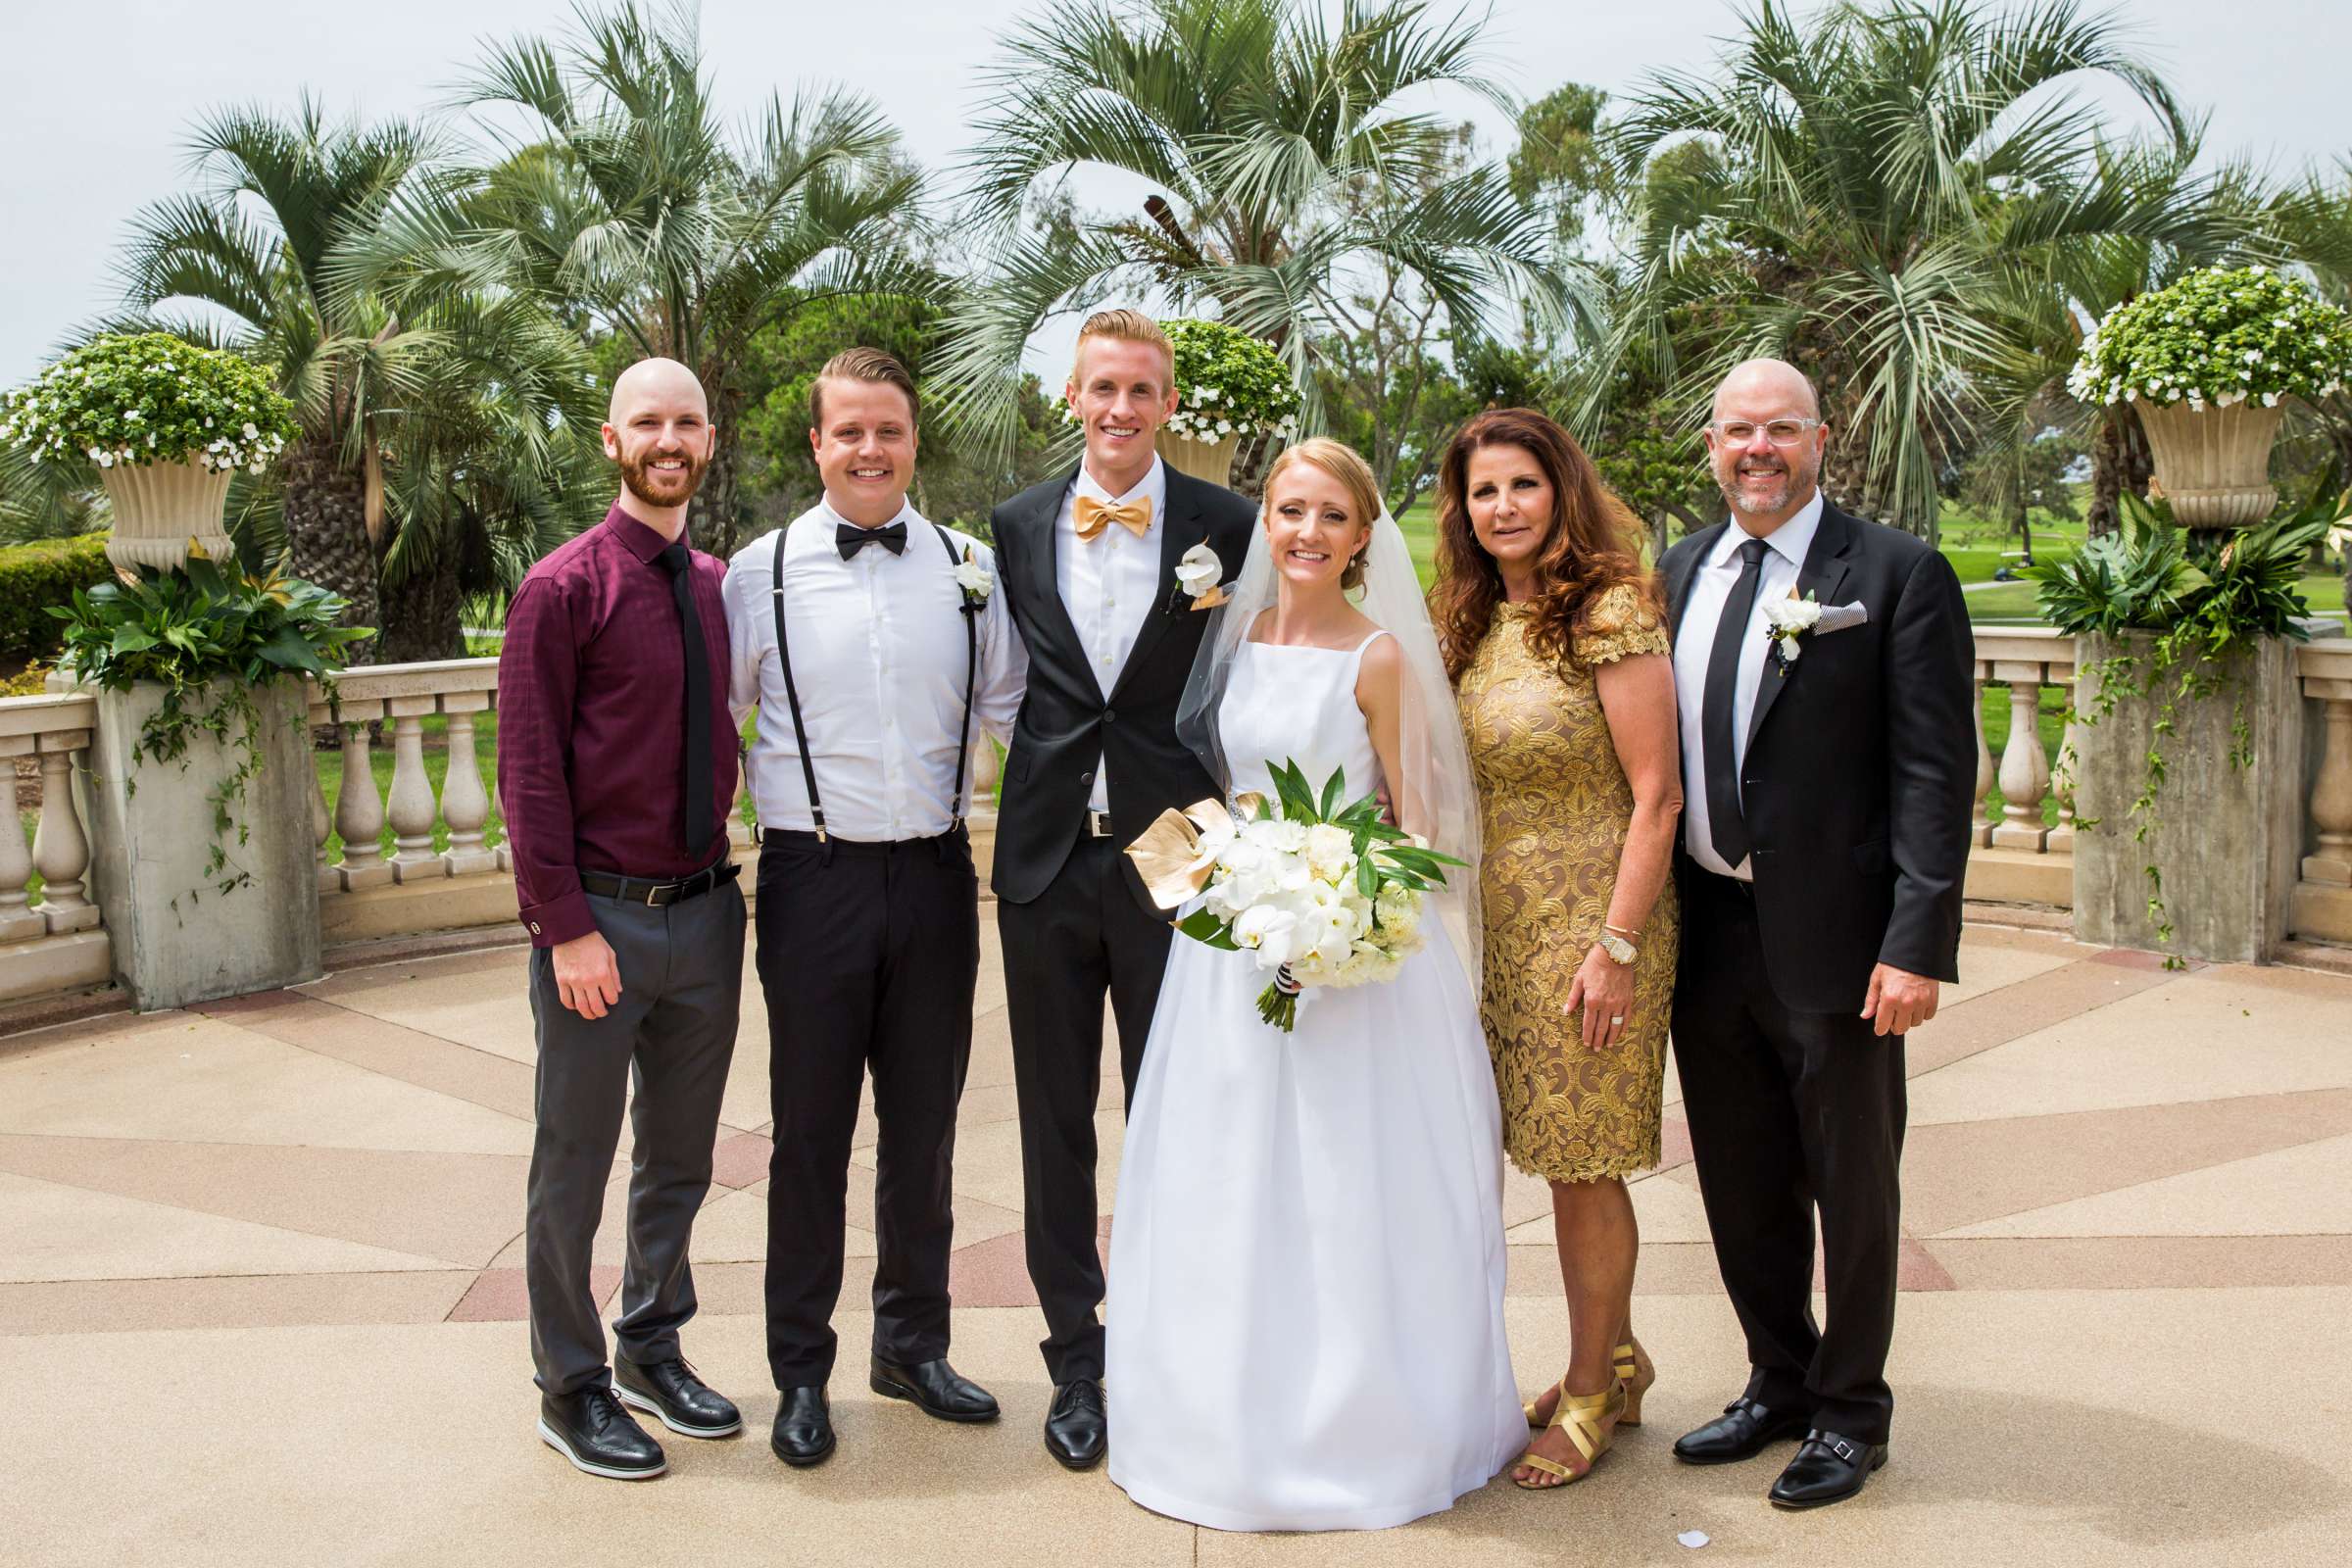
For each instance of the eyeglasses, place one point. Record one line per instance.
(1779, 432)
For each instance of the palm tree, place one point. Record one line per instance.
(1283, 163)
(1870, 187)
(254, 243)
(633, 211)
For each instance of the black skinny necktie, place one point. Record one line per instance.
(698, 826)
(848, 540)
(1727, 827)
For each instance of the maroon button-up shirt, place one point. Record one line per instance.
(592, 721)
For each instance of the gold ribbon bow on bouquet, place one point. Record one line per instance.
(1091, 516)
(1176, 855)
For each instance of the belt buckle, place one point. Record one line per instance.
(1096, 823)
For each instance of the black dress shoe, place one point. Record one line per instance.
(1077, 1432)
(1743, 1431)
(1826, 1469)
(936, 1387)
(670, 1389)
(803, 1433)
(589, 1428)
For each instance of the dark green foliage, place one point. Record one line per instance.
(36, 578)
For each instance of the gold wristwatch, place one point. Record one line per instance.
(1621, 952)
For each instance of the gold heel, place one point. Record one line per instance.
(1635, 1370)
(1583, 1416)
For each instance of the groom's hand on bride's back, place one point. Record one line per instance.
(587, 975)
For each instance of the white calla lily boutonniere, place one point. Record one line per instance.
(1198, 573)
(1785, 622)
(974, 578)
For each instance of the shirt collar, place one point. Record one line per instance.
(1153, 484)
(905, 513)
(638, 539)
(1790, 541)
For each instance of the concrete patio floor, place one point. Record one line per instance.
(261, 1302)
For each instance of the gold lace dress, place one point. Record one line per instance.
(1555, 806)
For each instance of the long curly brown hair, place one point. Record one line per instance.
(1592, 548)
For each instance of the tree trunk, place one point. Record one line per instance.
(422, 617)
(715, 516)
(2120, 461)
(326, 532)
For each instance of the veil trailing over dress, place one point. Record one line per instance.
(1434, 795)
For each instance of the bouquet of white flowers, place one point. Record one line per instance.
(1323, 894)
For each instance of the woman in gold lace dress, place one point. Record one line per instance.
(1557, 645)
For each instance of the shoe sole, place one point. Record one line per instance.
(1067, 1463)
(1825, 1502)
(554, 1440)
(653, 1407)
(803, 1461)
(900, 1391)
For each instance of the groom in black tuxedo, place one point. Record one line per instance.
(1827, 781)
(1087, 562)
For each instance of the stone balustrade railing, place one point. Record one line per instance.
(52, 938)
(2320, 909)
(2024, 856)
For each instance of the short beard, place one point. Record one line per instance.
(637, 479)
(1734, 498)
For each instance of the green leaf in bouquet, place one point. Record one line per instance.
(1298, 798)
(1367, 875)
(1205, 927)
(1330, 804)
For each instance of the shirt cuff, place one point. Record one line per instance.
(558, 920)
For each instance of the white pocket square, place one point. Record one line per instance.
(1840, 617)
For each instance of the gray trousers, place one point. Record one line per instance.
(672, 1035)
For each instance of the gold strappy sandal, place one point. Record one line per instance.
(1583, 1415)
(1632, 1367)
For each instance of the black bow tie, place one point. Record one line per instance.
(849, 539)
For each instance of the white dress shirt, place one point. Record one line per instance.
(1109, 583)
(1712, 583)
(878, 655)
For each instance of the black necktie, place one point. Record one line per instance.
(1726, 826)
(850, 540)
(699, 827)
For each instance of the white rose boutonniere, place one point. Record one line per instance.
(1785, 620)
(1196, 574)
(975, 579)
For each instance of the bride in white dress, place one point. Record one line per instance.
(1306, 1263)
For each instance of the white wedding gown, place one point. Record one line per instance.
(1306, 1264)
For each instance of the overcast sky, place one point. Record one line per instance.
(101, 93)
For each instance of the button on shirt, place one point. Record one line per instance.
(878, 655)
(1109, 583)
(1695, 640)
(592, 721)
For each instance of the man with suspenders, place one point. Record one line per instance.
(871, 642)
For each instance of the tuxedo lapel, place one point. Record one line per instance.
(1053, 617)
(1819, 578)
(1180, 530)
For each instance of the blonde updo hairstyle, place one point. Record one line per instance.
(1340, 462)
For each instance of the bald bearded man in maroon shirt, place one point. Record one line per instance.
(617, 770)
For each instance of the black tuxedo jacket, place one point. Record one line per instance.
(1860, 771)
(1066, 719)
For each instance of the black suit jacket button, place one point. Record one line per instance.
(1110, 716)
(1086, 778)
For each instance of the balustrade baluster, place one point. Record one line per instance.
(323, 822)
(2331, 802)
(61, 849)
(1980, 827)
(465, 803)
(411, 807)
(18, 921)
(359, 808)
(2061, 840)
(2025, 762)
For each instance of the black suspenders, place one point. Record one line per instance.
(792, 693)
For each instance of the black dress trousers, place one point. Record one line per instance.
(1791, 1114)
(868, 954)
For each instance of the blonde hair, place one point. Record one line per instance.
(1343, 462)
(864, 365)
(1123, 326)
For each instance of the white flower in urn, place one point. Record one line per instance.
(1198, 573)
(1788, 619)
(973, 578)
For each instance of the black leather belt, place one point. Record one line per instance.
(1097, 825)
(641, 889)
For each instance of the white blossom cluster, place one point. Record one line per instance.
(2217, 338)
(1289, 894)
(149, 399)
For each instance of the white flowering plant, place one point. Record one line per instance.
(1228, 383)
(130, 399)
(1320, 894)
(2215, 338)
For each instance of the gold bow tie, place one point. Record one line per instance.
(1135, 516)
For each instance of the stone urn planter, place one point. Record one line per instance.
(2228, 839)
(177, 938)
(2214, 464)
(1212, 460)
(160, 508)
